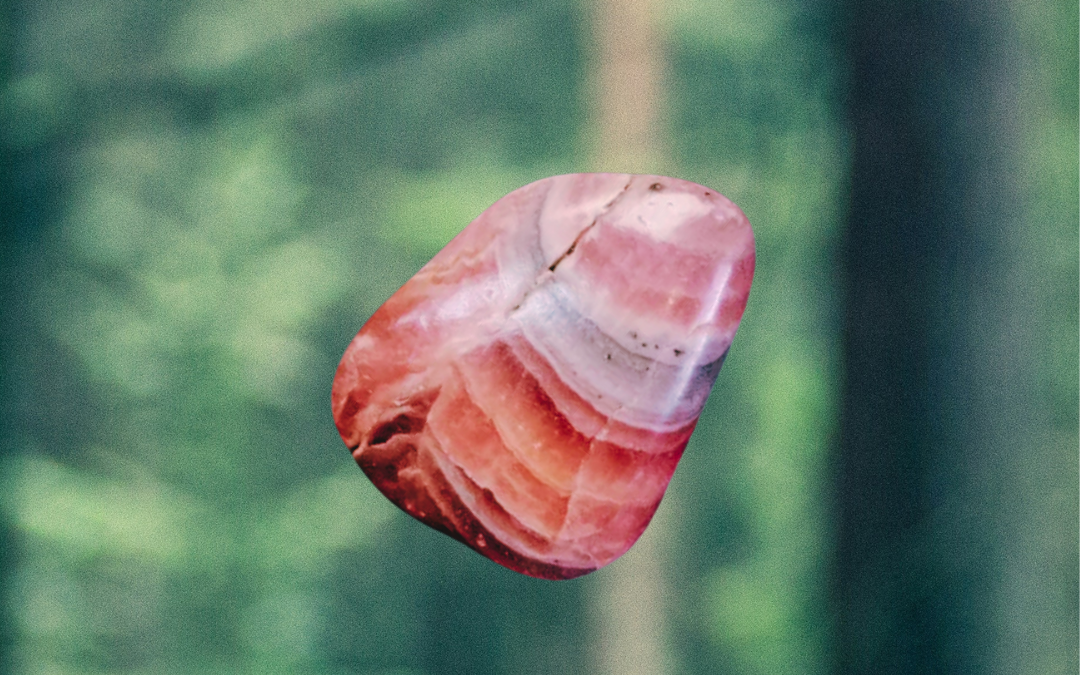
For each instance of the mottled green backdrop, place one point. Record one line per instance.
(204, 200)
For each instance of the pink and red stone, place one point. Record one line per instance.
(531, 390)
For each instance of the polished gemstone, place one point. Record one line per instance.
(531, 390)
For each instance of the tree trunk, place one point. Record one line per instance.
(941, 456)
(626, 137)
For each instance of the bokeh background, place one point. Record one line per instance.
(202, 202)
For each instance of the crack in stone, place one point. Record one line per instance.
(546, 275)
(605, 211)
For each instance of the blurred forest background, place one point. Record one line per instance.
(203, 201)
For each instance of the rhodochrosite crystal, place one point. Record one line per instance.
(532, 388)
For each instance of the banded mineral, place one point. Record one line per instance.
(531, 390)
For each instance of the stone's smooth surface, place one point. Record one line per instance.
(530, 391)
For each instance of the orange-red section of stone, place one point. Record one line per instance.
(543, 486)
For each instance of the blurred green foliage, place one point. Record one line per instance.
(217, 195)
